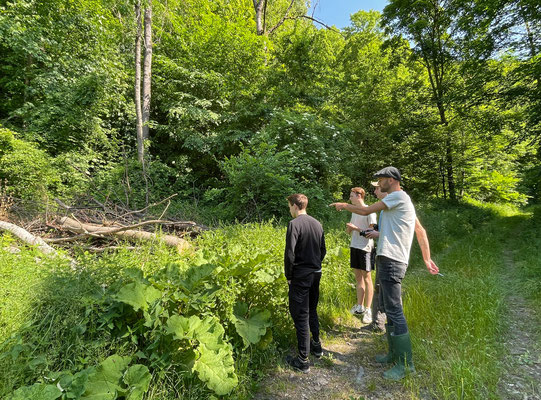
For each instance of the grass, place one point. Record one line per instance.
(49, 314)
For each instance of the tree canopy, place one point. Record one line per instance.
(243, 113)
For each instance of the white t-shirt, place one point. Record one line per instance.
(396, 227)
(362, 222)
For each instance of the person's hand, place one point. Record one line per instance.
(338, 206)
(372, 234)
(432, 267)
(350, 227)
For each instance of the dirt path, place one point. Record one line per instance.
(347, 370)
(523, 378)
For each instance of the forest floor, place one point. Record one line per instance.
(347, 370)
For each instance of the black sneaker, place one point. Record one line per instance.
(297, 364)
(372, 327)
(315, 349)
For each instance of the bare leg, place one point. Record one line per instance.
(359, 285)
(369, 288)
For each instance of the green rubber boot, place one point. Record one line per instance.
(402, 350)
(389, 357)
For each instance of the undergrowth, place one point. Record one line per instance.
(170, 316)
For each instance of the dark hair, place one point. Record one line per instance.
(298, 199)
(359, 190)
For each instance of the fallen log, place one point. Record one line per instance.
(27, 237)
(128, 232)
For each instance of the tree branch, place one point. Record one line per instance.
(311, 19)
(282, 20)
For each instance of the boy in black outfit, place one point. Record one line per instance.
(305, 249)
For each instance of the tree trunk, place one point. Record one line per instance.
(138, 109)
(448, 150)
(449, 168)
(99, 230)
(147, 73)
(259, 7)
(27, 237)
(442, 174)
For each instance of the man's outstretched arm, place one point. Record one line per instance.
(420, 233)
(361, 210)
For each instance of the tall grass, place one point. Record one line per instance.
(49, 313)
(456, 319)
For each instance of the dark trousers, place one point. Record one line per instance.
(378, 310)
(303, 299)
(391, 274)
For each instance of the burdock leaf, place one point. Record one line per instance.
(251, 327)
(38, 391)
(138, 295)
(182, 327)
(104, 382)
(216, 369)
(210, 332)
(137, 377)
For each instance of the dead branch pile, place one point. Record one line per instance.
(95, 225)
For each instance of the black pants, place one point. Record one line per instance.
(303, 299)
(391, 274)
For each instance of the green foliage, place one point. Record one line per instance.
(250, 326)
(27, 170)
(222, 311)
(258, 179)
(124, 182)
(108, 381)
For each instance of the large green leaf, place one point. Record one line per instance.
(196, 276)
(250, 326)
(138, 295)
(216, 368)
(38, 391)
(104, 382)
(182, 327)
(137, 377)
(210, 332)
(242, 269)
(78, 385)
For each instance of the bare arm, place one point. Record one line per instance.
(420, 233)
(361, 210)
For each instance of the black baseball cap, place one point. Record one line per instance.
(388, 172)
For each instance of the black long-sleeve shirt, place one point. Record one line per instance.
(305, 247)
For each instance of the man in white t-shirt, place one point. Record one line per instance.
(360, 255)
(397, 225)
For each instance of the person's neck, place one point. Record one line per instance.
(394, 188)
(359, 203)
(301, 212)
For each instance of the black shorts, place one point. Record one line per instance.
(360, 259)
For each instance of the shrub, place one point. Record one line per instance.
(259, 180)
(27, 169)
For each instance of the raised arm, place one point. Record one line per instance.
(361, 210)
(420, 233)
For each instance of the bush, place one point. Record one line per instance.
(28, 171)
(124, 182)
(259, 181)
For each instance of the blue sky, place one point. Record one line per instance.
(337, 12)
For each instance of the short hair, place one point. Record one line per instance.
(359, 190)
(298, 199)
